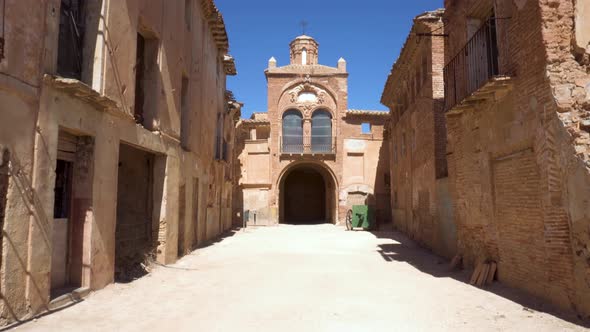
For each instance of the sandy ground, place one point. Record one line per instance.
(305, 278)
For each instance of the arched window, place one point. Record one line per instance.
(304, 56)
(292, 141)
(321, 131)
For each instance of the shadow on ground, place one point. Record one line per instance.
(406, 250)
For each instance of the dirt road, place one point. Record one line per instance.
(304, 278)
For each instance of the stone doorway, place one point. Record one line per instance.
(306, 196)
(72, 213)
(139, 199)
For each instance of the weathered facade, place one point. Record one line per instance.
(307, 160)
(414, 93)
(116, 132)
(517, 92)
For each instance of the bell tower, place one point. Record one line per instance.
(304, 51)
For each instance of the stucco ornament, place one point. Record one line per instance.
(307, 96)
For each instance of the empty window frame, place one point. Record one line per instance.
(184, 114)
(403, 152)
(365, 128)
(187, 13)
(71, 38)
(219, 143)
(2, 27)
(146, 68)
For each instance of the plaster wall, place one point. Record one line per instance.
(36, 106)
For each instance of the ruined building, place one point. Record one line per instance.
(421, 202)
(309, 158)
(517, 105)
(116, 137)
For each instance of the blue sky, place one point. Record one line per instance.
(369, 35)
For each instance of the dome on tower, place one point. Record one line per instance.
(304, 37)
(304, 51)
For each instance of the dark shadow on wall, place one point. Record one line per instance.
(406, 250)
(382, 185)
(241, 136)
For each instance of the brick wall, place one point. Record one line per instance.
(414, 93)
(510, 158)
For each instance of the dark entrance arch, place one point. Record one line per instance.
(307, 194)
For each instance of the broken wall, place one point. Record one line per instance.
(518, 162)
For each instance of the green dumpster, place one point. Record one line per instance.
(360, 216)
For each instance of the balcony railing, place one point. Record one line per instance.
(313, 144)
(474, 66)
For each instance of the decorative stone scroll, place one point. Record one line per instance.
(307, 96)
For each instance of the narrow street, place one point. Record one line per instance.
(304, 278)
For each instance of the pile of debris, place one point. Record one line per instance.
(132, 267)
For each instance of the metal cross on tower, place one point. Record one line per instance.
(304, 25)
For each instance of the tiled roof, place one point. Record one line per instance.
(256, 121)
(229, 65)
(367, 112)
(217, 27)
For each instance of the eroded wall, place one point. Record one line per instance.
(36, 106)
(517, 164)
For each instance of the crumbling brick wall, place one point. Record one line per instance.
(516, 162)
(568, 65)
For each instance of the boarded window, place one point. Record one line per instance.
(519, 217)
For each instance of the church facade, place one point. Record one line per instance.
(309, 159)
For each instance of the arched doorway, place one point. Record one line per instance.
(307, 195)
